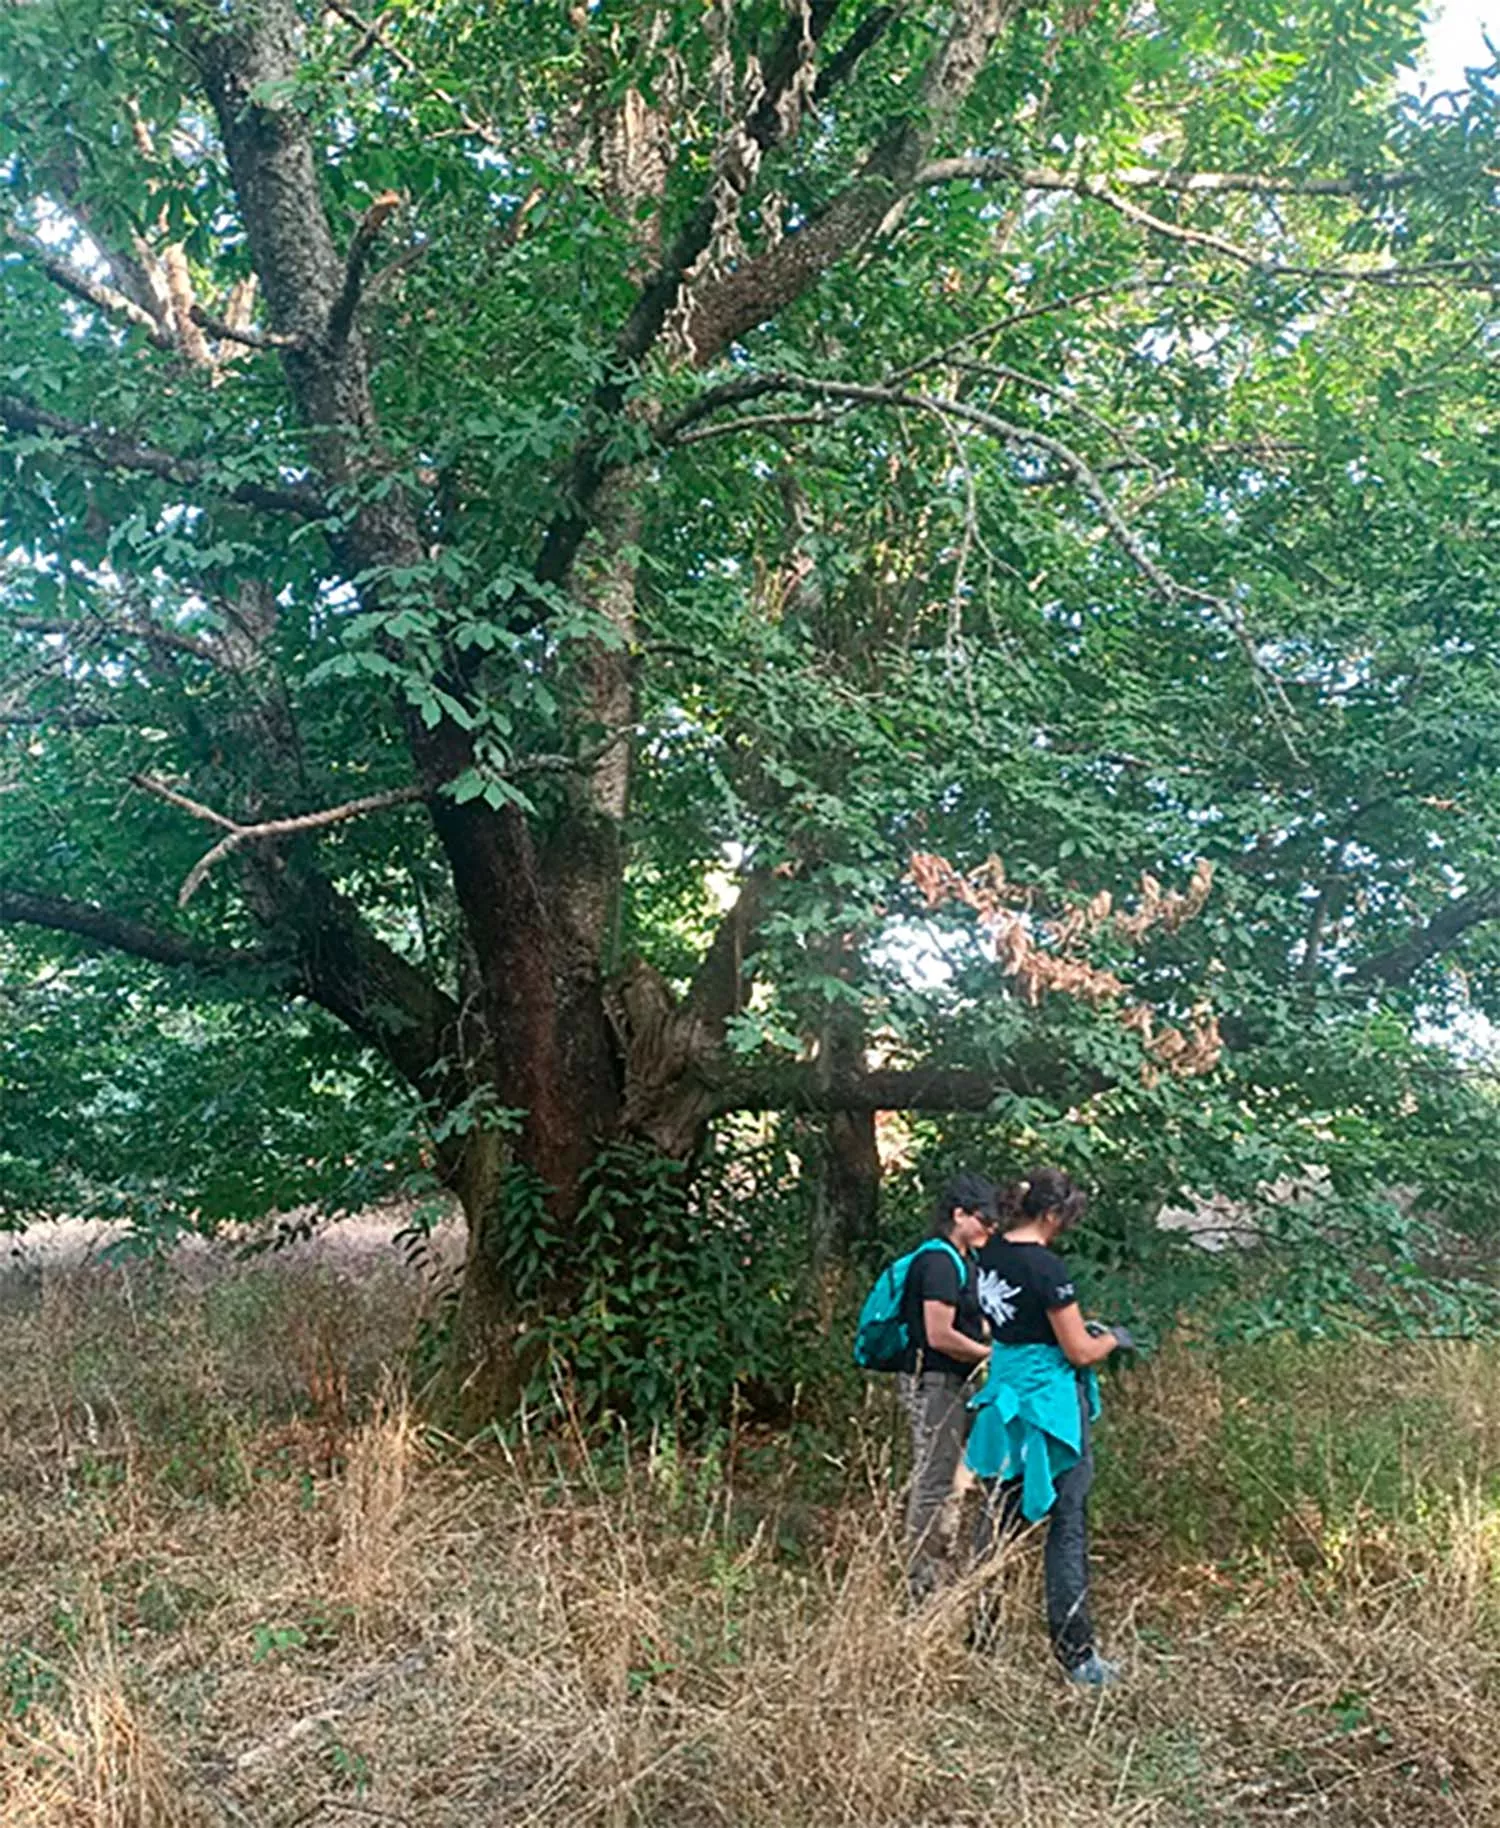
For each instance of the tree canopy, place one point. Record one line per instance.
(522, 522)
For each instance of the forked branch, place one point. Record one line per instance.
(237, 835)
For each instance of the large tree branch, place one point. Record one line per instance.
(250, 56)
(607, 505)
(718, 985)
(842, 65)
(109, 450)
(88, 290)
(801, 1086)
(62, 169)
(1400, 963)
(381, 996)
(742, 149)
(94, 629)
(764, 128)
(333, 959)
(119, 933)
(673, 1049)
(247, 334)
(341, 316)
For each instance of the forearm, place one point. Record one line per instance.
(946, 1338)
(1080, 1344)
(1095, 1348)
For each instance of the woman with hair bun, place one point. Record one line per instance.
(1029, 1442)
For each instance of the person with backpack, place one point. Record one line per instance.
(1029, 1443)
(946, 1343)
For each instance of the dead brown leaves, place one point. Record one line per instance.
(1044, 954)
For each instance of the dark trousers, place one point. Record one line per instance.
(1066, 1560)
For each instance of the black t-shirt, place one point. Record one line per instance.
(1018, 1285)
(933, 1276)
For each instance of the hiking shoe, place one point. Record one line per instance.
(1094, 1672)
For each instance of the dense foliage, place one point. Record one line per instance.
(569, 502)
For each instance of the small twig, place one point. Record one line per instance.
(349, 1807)
(376, 34)
(1002, 371)
(1069, 302)
(351, 1693)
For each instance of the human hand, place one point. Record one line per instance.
(1124, 1339)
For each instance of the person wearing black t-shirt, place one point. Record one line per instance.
(1026, 1293)
(948, 1342)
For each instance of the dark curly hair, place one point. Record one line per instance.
(1050, 1190)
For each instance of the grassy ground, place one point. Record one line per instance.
(247, 1585)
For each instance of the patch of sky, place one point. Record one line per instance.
(923, 955)
(1462, 37)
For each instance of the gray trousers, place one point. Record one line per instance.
(936, 1403)
(1066, 1558)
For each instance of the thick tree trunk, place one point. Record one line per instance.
(848, 1196)
(848, 1169)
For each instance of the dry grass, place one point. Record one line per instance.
(89, 1758)
(248, 1585)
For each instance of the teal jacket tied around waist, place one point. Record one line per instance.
(1028, 1422)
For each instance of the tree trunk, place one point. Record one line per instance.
(848, 1195)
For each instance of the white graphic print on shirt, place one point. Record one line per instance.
(997, 1297)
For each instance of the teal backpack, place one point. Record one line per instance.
(881, 1341)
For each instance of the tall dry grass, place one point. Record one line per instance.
(90, 1757)
(230, 1600)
